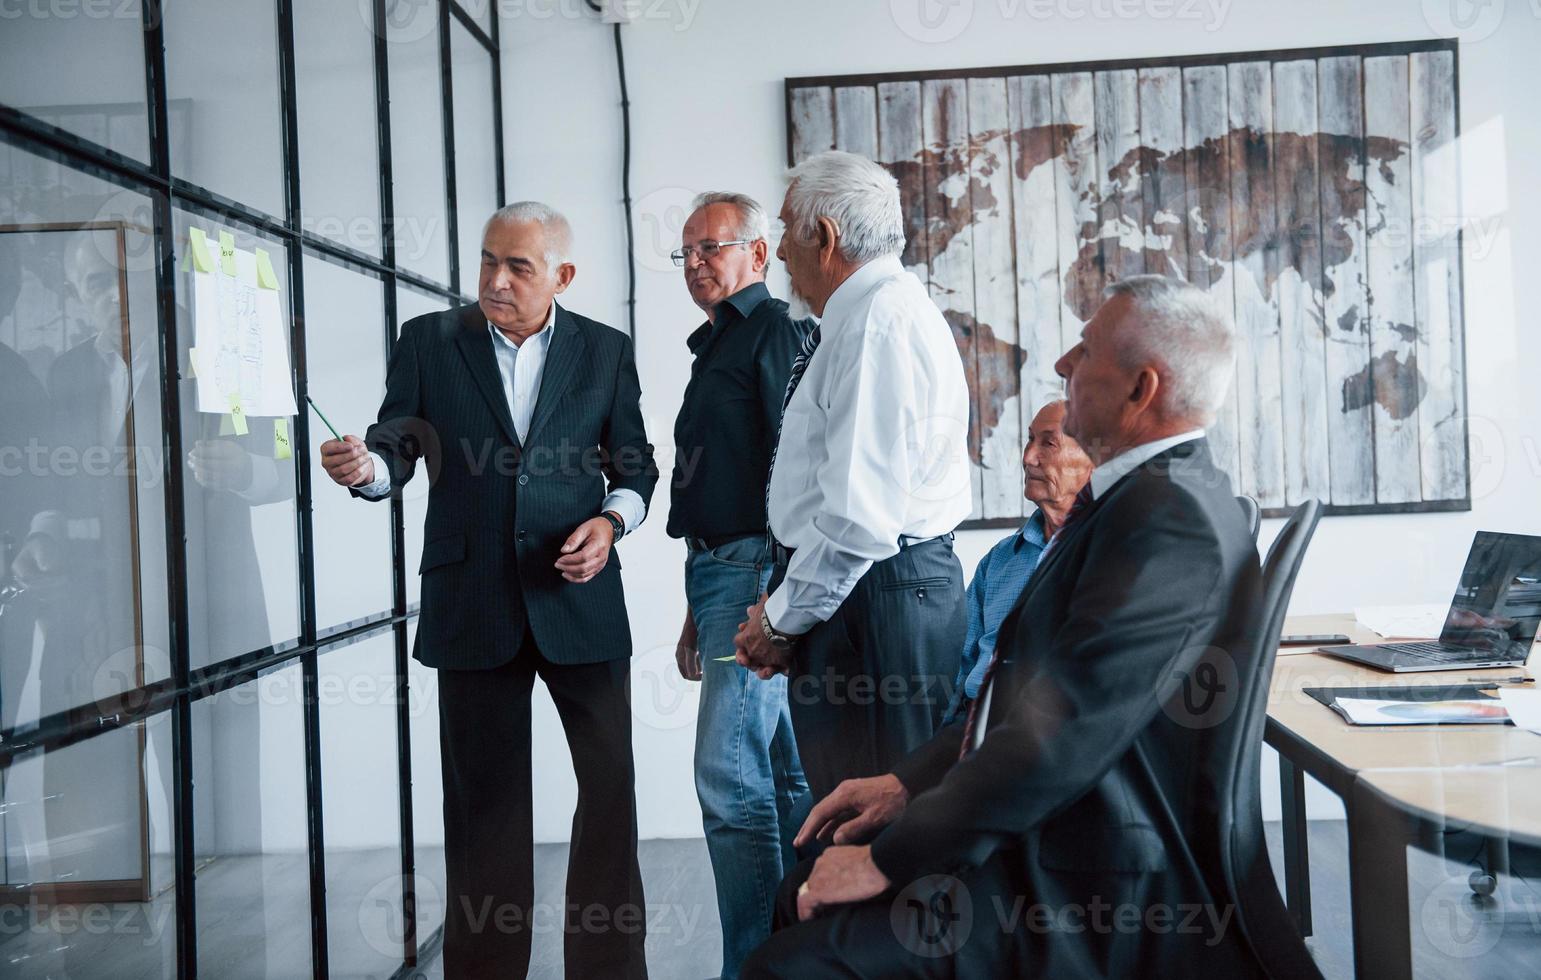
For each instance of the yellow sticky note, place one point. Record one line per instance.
(265, 277)
(198, 244)
(281, 447)
(237, 415)
(227, 253)
(192, 362)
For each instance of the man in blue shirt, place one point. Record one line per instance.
(1054, 468)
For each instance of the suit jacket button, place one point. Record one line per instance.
(524, 478)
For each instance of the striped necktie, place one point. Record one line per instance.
(799, 367)
(1077, 509)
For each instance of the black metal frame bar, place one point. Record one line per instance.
(176, 694)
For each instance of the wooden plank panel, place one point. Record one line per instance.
(813, 122)
(1036, 143)
(900, 148)
(856, 120)
(1164, 182)
(1392, 382)
(1303, 382)
(1208, 212)
(1437, 274)
(1255, 269)
(1075, 178)
(996, 425)
(1121, 209)
(949, 220)
(1345, 305)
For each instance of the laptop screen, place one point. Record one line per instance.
(1497, 605)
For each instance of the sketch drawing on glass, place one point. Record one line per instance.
(73, 822)
(1314, 192)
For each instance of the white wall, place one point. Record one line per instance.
(707, 113)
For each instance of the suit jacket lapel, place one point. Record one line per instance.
(476, 346)
(562, 358)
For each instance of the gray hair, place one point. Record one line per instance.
(860, 197)
(753, 224)
(1182, 330)
(559, 234)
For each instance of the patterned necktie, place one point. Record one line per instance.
(799, 366)
(1077, 509)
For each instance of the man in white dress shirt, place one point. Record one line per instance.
(869, 480)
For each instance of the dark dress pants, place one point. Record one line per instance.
(938, 927)
(484, 733)
(870, 684)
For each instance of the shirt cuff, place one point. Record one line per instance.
(382, 483)
(628, 504)
(786, 619)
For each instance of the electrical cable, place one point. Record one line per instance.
(631, 242)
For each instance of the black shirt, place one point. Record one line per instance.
(732, 409)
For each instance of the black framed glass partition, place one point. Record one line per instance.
(208, 717)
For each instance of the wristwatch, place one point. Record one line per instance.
(778, 639)
(615, 525)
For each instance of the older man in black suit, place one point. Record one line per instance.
(1077, 783)
(528, 419)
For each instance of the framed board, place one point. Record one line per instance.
(1314, 192)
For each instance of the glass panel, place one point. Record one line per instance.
(427, 794)
(225, 128)
(82, 511)
(242, 550)
(417, 141)
(339, 141)
(411, 303)
(476, 160)
(88, 827)
(358, 694)
(250, 829)
(345, 356)
(105, 104)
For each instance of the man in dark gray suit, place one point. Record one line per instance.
(528, 418)
(1080, 780)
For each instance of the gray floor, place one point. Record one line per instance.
(254, 920)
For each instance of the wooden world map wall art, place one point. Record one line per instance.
(1314, 192)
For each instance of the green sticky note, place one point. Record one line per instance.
(265, 277)
(281, 447)
(227, 253)
(237, 415)
(192, 362)
(198, 244)
(226, 427)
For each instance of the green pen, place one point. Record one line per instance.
(323, 418)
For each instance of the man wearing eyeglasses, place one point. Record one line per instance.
(747, 772)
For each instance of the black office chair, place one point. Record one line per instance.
(1252, 512)
(1260, 909)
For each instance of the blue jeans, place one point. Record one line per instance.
(747, 774)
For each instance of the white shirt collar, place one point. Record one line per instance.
(849, 293)
(541, 336)
(1129, 460)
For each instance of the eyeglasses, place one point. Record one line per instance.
(705, 250)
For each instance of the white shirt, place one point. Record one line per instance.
(521, 367)
(874, 443)
(1102, 479)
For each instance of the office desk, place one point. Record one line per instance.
(1400, 786)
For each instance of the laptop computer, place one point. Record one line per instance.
(1492, 620)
